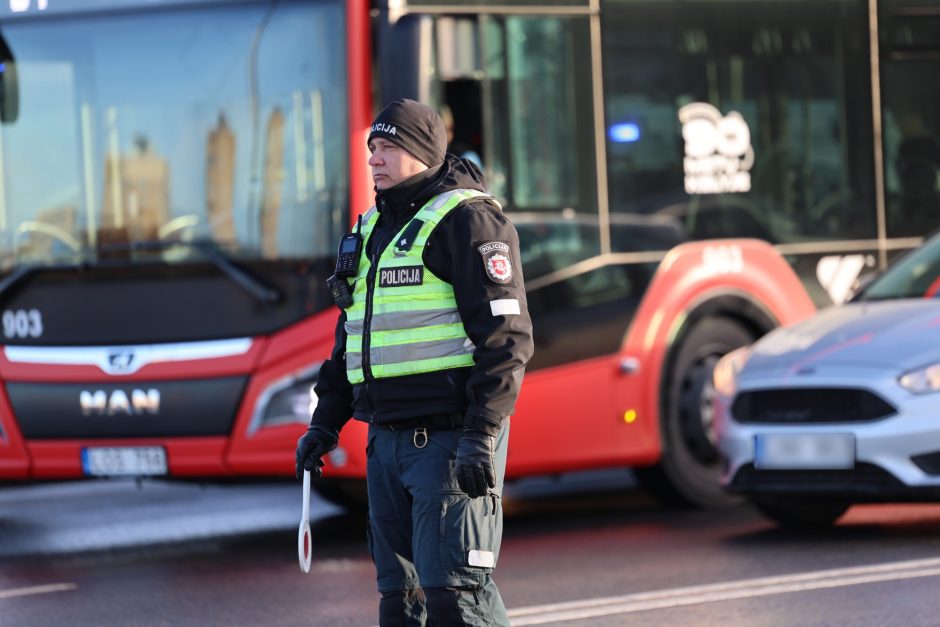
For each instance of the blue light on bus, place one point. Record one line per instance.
(3, 68)
(624, 132)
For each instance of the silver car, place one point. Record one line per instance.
(842, 408)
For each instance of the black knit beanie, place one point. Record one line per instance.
(415, 127)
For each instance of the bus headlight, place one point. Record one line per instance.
(725, 376)
(922, 380)
(288, 400)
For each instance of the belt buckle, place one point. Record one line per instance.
(420, 438)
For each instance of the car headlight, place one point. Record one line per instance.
(923, 380)
(288, 400)
(725, 376)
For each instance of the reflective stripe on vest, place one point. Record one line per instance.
(413, 327)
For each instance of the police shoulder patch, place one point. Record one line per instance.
(496, 261)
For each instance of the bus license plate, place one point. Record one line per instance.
(803, 451)
(124, 461)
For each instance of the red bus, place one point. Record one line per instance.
(684, 177)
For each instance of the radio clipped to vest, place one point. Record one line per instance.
(347, 265)
(350, 248)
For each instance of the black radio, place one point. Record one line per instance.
(347, 261)
(350, 248)
(347, 265)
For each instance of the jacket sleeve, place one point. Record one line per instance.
(486, 273)
(333, 390)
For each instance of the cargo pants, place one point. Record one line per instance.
(433, 546)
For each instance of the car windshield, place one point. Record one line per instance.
(916, 275)
(222, 124)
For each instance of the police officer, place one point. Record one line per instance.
(430, 350)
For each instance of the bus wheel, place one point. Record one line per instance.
(687, 473)
(348, 493)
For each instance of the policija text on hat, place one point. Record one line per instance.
(430, 351)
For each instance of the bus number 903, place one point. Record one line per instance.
(22, 323)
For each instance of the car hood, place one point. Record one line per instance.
(899, 334)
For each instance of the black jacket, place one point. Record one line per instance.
(484, 393)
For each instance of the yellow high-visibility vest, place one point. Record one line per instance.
(413, 322)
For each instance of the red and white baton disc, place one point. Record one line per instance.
(304, 539)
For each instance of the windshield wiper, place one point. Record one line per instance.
(259, 289)
(18, 275)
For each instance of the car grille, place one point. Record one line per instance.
(809, 405)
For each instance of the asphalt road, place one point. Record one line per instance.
(588, 550)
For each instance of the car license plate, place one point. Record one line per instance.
(804, 451)
(124, 461)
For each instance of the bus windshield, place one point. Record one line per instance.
(222, 126)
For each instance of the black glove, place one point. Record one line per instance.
(475, 471)
(317, 441)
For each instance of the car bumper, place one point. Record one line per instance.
(896, 458)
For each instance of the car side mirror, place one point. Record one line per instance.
(861, 284)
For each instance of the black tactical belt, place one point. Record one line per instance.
(437, 422)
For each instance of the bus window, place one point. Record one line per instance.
(223, 127)
(781, 82)
(539, 157)
(542, 121)
(517, 91)
(911, 114)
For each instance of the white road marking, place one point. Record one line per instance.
(22, 592)
(726, 591)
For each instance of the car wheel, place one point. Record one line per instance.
(800, 513)
(688, 471)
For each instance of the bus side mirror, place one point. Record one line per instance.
(9, 86)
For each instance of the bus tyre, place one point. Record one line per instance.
(798, 513)
(688, 470)
(348, 493)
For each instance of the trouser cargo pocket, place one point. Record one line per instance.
(469, 536)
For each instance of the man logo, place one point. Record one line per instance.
(102, 403)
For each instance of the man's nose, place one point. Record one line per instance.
(374, 159)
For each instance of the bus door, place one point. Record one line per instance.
(910, 61)
(515, 83)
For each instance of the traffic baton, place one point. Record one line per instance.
(303, 534)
